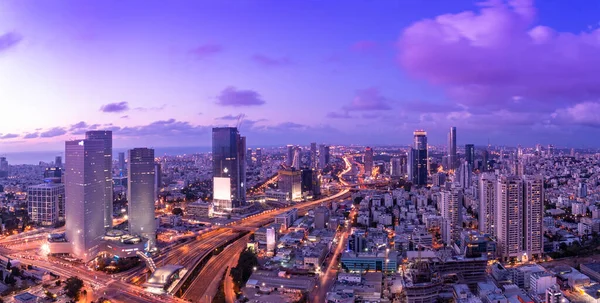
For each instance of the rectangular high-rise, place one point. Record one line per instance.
(122, 163)
(509, 216)
(451, 210)
(3, 167)
(313, 155)
(46, 203)
(106, 137)
(289, 158)
(534, 215)
(452, 160)
(470, 154)
(85, 185)
(141, 180)
(368, 161)
(487, 203)
(323, 156)
(229, 168)
(419, 158)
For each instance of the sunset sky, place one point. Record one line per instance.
(162, 73)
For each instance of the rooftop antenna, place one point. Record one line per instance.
(240, 119)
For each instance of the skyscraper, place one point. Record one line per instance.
(58, 161)
(485, 159)
(509, 217)
(122, 163)
(141, 185)
(487, 203)
(248, 156)
(452, 160)
(290, 181)
(534, 215)
(323, 156)
(396, 167)
(229, 168)
(289, 158)
(465, 175)
(368, 161)
(85, 185)
(296, 160)
(106, 137)
(419, 158)
(259, 157)
(451, 210)
(470, 154)
(313, 155)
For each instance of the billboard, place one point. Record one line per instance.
(222, 188)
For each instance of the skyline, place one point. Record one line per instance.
(166, 76)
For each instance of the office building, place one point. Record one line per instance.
(157, 179)
(54, 173)
(323, 156)
(290, 181)
(85, 185)
(122, 165)
(106, 137)
(357, 243)
(289, 158)
(368, 161)
(229, 168)
(249, 157)
(259, 157)
(396, 167)
(470, 154)
(465, 173)
(313, 155)
(582, 190)
(287, 219)
(321, 217)
(58, 161)
(452, 159)
(487, 203)
(296, 161)
(141, 194)
(46, 203)
(311, 182)
(418, 159)
(3, 167)
(485, 160)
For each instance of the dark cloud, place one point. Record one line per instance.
(267, 61)
(231, 96)
(9, 40)
(163, 128)
(206, 50)
(82, 127)
(8, 136)
(31, 136)
(229, 117)
(115, 107)
(53, 132)
(369, 99)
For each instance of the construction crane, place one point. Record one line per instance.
(240, 119)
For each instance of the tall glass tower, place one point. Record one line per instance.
(106, 137)
(229, 168)
(420, 158)
(452, 160)
(141, 186)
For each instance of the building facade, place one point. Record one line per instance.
(141, 194)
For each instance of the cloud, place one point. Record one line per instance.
(163, 128)
(364, 46)
(488, 56)
(584, 113)
(336, 115)
(229, 117)
(206, 50)
(9, 40)
(125, 117)
(270, 61)
(53, 132)
(81, 127)
(115, 107)
(231, 96)
(154, 108)
(368, 100)
(31, 135)
(8, 136)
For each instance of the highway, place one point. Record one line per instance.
(199, 286)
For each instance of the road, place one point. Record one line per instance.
(205, 285)
(199, 286)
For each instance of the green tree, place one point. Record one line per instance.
(8, 265)
(73, 286)
(178, 211)
(242, 272)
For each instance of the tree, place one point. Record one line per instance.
(8, 265)
(1, 275)
(57, 283)
(10, 279)
(242, 272)
(177, 211)
(73, 286)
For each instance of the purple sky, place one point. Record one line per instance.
(162, 73)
